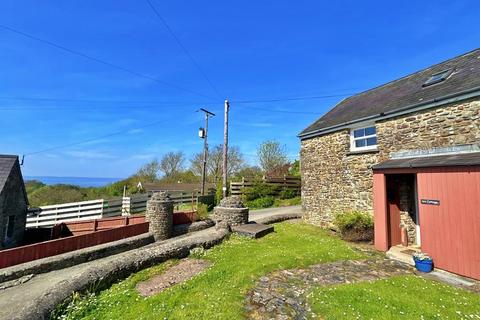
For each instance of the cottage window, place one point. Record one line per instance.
(9, 227)
(363, 139)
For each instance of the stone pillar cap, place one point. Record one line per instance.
(232, 202)
(161, 196)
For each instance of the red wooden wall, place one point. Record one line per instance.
(450, 232)
(88, 226)
(86, 234)
(45, 249)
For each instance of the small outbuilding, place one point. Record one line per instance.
(13, 202)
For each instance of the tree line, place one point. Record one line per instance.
(172, 166)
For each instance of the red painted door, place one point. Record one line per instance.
(393, 212)
(449, 208)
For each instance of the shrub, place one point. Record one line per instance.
(259, 190)
(260, 203)
(219, 193)
(59, 193)
(355, 225)
(202, 211)
(287, 194)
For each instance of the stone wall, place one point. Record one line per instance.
(407, 206)
(336, 180)
(333, 179)
(13, 203)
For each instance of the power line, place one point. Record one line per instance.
(170, 102)
(185, 50)
(112, 65)
(90, 100)
(79, 108)
(282, 111)
(94, 139)
(293, 98)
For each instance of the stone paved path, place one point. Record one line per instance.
(282, 294)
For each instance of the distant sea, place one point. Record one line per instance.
(78, 181)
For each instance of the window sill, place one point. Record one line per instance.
(354, 152)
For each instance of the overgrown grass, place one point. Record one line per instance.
(219, 292)
(401, 297)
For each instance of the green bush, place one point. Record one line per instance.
(259, 190)
(287, 202)
(260, 203)
(353, 220)
(202, 211)
(219, 193)
(287, 194)
(59, 193)
(355, 225)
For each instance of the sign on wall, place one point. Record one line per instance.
(430, 202)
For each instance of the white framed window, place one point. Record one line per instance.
(363, 138)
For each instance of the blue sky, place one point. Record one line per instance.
(251, 50)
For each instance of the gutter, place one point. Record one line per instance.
(455, 97)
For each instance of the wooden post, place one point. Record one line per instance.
(193, 209)
(225, 150)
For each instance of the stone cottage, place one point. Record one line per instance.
(430, 114)
(13, 202)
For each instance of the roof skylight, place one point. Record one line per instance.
(438, 77)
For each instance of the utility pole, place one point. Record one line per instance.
(225, 150)
(203, 133)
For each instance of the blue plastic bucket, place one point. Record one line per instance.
(423, 265)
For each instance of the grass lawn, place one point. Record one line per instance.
(219, 292)
(401, 297)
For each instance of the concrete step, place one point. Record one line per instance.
(253, 230)
(402, 254)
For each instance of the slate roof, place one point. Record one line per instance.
(460, 159)
(404, 93)
(6, 164)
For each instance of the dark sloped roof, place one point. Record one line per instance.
(405, 92)
(6, 164)
(461, 159)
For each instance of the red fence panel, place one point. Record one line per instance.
(50, 248)
(184, 217)
(86, 234)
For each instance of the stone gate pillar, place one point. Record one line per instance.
(160, 215)
(231, 211)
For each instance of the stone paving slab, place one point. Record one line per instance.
(253, 230)
(282, 294)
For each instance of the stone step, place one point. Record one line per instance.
(253, 230)
(402, 254)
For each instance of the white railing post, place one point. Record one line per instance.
(126, 206)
